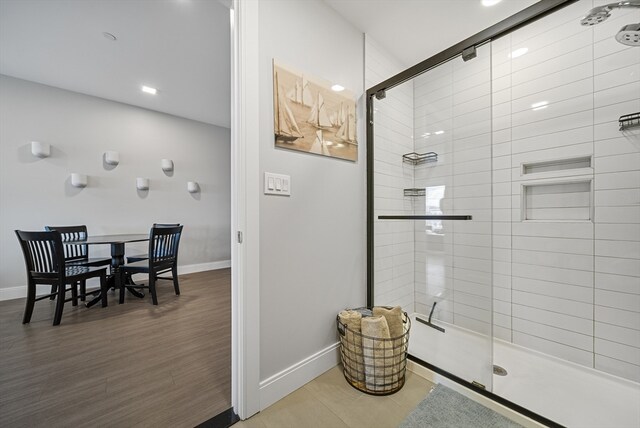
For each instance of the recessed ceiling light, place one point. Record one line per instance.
(488, 3)
(518, 52)
(109, 36)
(540, 105)
(337, 88)
(149, 90)
(439, 132)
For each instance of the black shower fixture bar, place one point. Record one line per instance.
(425, 217)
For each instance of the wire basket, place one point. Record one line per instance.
(371, 364)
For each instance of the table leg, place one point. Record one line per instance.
(111, 282)
(117, 259)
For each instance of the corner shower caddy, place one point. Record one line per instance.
(628, 121)
(419, 158)
(414, 159)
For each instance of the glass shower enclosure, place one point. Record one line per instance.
(432, 207)
(504, 211)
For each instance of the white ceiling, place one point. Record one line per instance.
(181, 47)
(414, 30)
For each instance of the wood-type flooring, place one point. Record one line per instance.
(122, 366)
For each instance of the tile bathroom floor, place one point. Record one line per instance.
(329, 401)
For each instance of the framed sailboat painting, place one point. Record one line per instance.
(311, 117)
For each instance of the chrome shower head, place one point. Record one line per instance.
(602, 13)
(596, 15)
(629, 35)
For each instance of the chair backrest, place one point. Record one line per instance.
(73, 233)
(163, 246)
(166, 224)
(43, 253)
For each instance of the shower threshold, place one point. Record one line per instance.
(556, 389)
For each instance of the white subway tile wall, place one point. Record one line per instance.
(563, 276)
(394, 243)
(576, 284)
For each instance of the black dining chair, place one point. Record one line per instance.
(140, 257)
(44, 259)
(77, 254)
(163, 258)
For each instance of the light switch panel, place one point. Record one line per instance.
(277, 184)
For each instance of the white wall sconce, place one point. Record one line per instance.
(112, 158)
(41, 150)
(193, 187)
(78, 180)
(167, 165)
(142, 183)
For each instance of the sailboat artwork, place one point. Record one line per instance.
(286, 128)
(347, 131)
(308, 116)
(300, 93)
(318, 116)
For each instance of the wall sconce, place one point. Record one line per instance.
(193, 187)
(142, 183)
(167, 165)
(41, 150)
(78, 180)
(112, 158)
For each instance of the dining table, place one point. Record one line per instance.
(117, 243)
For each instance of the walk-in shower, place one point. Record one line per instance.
(504, 211)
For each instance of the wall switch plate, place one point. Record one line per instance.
(277, 184)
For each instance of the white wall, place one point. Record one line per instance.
(312, 258)
(36, 192)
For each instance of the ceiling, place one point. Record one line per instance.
(180, 47)
(414, 30)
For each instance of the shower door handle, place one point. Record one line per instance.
(425, 217)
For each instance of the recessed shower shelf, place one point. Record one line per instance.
(419, 158)
(629, 121)
(414, 192)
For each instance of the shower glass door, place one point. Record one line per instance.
(433, 168)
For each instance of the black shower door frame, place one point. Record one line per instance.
(504, 27)
(518, 20)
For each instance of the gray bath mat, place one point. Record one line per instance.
(445, 408)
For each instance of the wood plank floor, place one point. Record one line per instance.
(329, 401)
(122, 366)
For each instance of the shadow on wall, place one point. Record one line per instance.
(107, 166)
(57, 156)
(70, 190)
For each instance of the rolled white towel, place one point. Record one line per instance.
(394, 317)
(378, 354)
(354, 363)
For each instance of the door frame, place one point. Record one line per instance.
(245, 193)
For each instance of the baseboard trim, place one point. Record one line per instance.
(288, 380)
(21, 290)
(201, 267)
